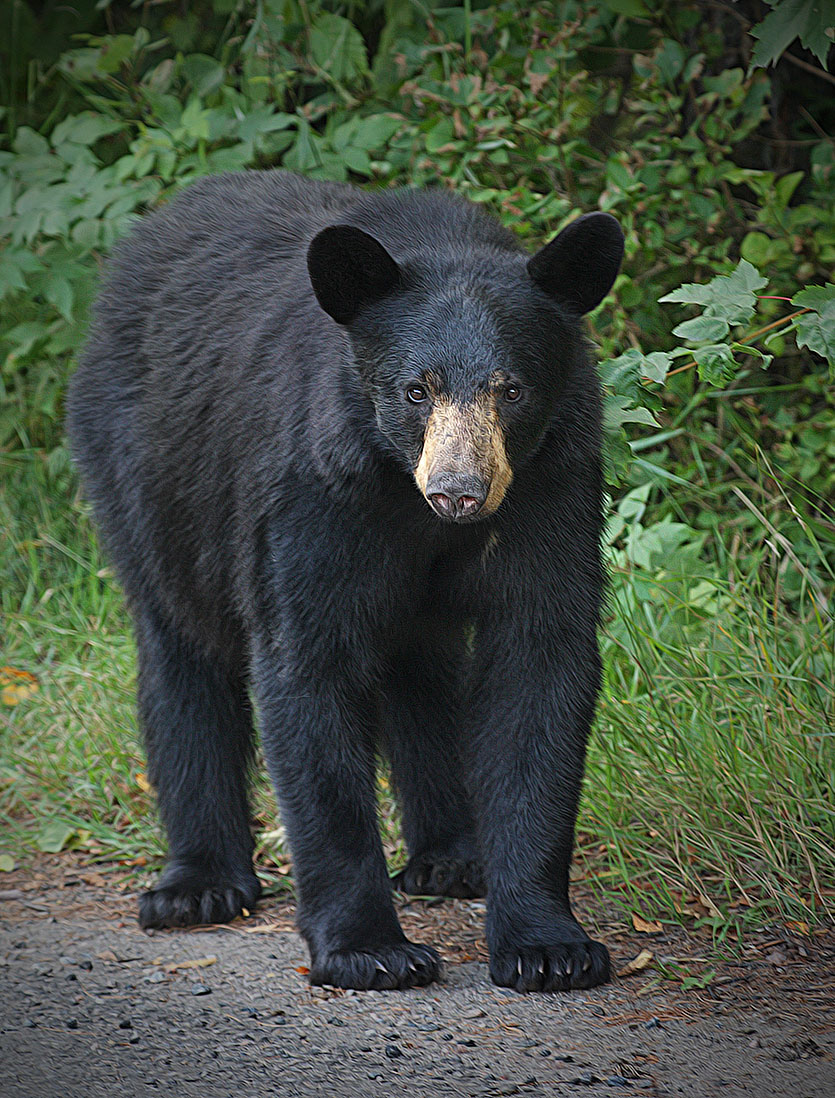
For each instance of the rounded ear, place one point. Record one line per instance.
(579, 266)
(349, 269)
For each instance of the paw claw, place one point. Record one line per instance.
(558, 967)
(182, 898)
(438, 875)
(387, 967)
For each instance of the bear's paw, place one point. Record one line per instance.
(383, 968)
(560, 967)
(189, 903)
(438, 875)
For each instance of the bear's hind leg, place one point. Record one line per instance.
(196, 719)
(422, 729)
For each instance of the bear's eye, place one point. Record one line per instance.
(512, 392)
(416, 394)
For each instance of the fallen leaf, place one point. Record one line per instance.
(712, 909)
(196, 962)
(143, 782)
(7, 863)
(16, 686)
(791, 924)
(303, 969)
(54, 836)
(644, 927)
(637, 964)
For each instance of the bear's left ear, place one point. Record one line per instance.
(579, 266)
(349, 269)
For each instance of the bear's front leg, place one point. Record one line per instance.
(317, 733)
(534, 701)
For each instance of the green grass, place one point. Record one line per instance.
(709, 792)
(711, 775)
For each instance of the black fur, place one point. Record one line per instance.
(250, 463)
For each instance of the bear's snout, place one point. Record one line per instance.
(457, 496)
(463, 470)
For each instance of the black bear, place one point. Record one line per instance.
(344, 450)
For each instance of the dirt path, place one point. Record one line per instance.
(92, 1007)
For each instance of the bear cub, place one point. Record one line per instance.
(344, 451)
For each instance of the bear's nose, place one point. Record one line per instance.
(456, 496)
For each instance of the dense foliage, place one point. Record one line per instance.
(718, 341)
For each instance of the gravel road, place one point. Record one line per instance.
(93, 1007)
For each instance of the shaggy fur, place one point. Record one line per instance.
(248, 420)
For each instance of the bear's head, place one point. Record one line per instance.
(464, 351)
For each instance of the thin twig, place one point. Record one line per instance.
(801, 64)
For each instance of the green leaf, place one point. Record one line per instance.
(617, 411)
(749, 349)
(716, 363)
(758, 248)
(261, 120)
(819, 298)
(731, 297)
(702, 328)
(357, 160)
(816, 329)
(15, 266)
(58, 292)
(54, 836)
(336, 46)
(195, 120)
(786, 186)
(83, 129)
(29, 143)
(656, 366)
(6, 863)
(204, 73)
(806, 19)
(376, 131)
(305, 154)
(441, 134)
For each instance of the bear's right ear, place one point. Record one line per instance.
(349, 269)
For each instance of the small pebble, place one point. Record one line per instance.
(200, 989)
(72, 1023)
(617, 1081)
(392, 1051)
(653, 1023)
(126, 1023)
